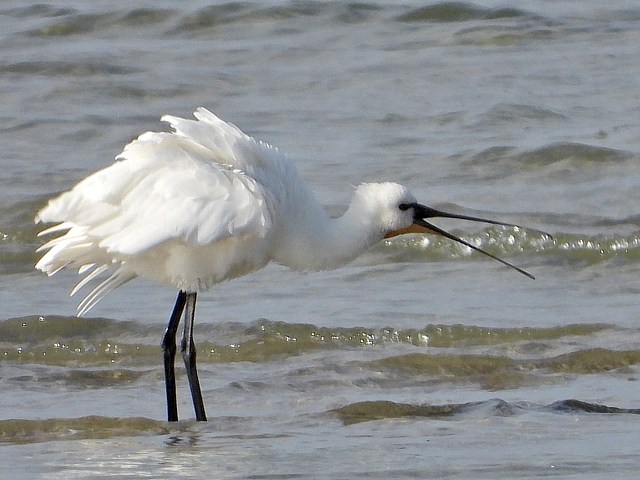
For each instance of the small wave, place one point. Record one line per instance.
(577, 152)
(271, 340)
(381, 410)
(63, 22)
(209, 18)
(496, 372)
(73, 341)
(18, 236)
(38, 10)
(37, 329)
(140, 17)
(92, 427)
(504, 35)
(458, 12)
(507, 113)
(71, 24)
(563, 158)
(91, 342)
(78, 68)
(498, 241)
(573, 405)
(66, 22)
(593, 360)
(586, 249)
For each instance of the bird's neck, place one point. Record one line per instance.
(323, 243)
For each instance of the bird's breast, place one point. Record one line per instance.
(196, 268)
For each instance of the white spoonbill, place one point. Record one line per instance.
(205, 203)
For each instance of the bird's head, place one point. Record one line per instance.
(379, 205)
(396, 212)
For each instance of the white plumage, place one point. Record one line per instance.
(205, 203)
(200, 205)
(178, 208)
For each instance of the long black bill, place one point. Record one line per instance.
(421, 212)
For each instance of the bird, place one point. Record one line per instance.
(203, 203)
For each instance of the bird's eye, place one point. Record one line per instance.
(404, 206)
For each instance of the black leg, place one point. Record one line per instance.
(169, 349)
(188, 348)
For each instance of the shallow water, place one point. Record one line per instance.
(420, 359)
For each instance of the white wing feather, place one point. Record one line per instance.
(193, 186)
(184, 195)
